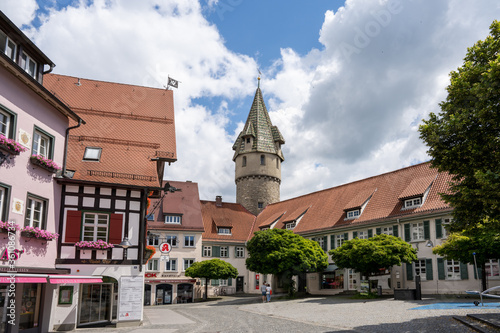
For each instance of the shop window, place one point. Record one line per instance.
(36, 212)
(332, 280)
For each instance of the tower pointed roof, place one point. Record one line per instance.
(266, 137)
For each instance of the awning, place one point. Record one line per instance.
(59, 279)
(23, 278)
(331, 268)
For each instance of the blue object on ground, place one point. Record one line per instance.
(448, 306)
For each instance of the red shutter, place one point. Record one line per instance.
(73, 226)
(115, 228)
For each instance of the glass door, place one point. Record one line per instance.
(353, 279)
(95, 304)
(4, 299)
(30, 307)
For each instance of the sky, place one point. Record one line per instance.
(346, 82)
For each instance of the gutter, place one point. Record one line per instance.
(80, 121)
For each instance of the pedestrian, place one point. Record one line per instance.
(263, 292)
(269, 292)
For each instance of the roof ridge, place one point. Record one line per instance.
(105, 82)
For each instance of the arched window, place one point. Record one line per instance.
(244, 162)
(262, 160)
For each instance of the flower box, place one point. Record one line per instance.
(94, 245)
(38, 234)
(5, 227)
(149, 253)
(10, 146)
(45, 163)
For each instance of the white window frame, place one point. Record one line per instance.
(363, 234)
(224, 251)
(172, 240)
(419, 268)
(31, 208)
(41, 142)
(92, 154)
(173, 219)
(26, 60)
(223, 231)
(290, 225)
(8, 119)
(3, 200)
(413, 202)
(417, 231)
(444, 232)
(153, 265)
(95, 225)
(190, 239)
(7, 46)
(171, 262)
(492, 266)
(452, 270)
(353, 214)
(388, 231)
(187, 263)
(222, 283)
(154, 240)
(320, 241)
(339, 240)
(207, 251)
(239, 252)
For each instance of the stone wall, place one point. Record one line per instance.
(250, 190)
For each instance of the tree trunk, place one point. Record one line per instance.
(206, 289)
(483, 276)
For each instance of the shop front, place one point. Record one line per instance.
(171, 291)
(332, 278)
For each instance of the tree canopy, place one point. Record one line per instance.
(464, 139)
(283, 253)
(211, 269)
(370, 255)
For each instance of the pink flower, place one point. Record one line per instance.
(11, 144)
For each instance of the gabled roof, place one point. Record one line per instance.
(185, 202)
(259, 126)
(133, 125)
(327, 208)
(231, 215)
(417, 187)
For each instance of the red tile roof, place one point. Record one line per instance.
(133, 125)
(231, 215)
(185, 202)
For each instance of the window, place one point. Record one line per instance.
(188, 241)
(222, 283)
(4, 123)
(262, 160)
(387, 230)
(224, 231)
(248, 140)
(224, 252)
(363, 234)
(154, 240)
(36, 212)
(29, 65)
(92, 154)
(277, 163)
(3, 202)
(452, 270)
(413, 203)
(176, 219)
(260, 205)
(151, 217)
(207, 251)
(95, 227)
(290, 226)
(417, 231)
(42, 143)
(446, 222)
(240, 252)
(7, 46)
(353, 214)
(339, 240)
(153, 265)
(172, 240)
(171, 265)
(320, 241)
(265, 228)
(188, 263)
(492, 268)
(244, 161)
(420, 268)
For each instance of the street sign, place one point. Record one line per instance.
(165, 247)
(165, 258)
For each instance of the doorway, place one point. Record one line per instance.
(239, 284)
(147, 294)
(95, 303)
(163, 294)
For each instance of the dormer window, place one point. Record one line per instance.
(223, 231)
(173, 219)
(7, 46)
(413, 203)
(352, 214)
(29, 65)
(92, 154)
(290, 225)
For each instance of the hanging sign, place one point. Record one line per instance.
(165, 247)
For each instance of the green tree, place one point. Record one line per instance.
(370, 255)
(483, 240)
(284, 254)
(464, 139)
(211, 269)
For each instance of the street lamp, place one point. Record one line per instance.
(125, 244)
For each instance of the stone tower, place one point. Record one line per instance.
(258, 159)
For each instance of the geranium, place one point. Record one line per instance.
(11, 144)
(46, 162)
(39, 233)
(151, 250)
(99, 244)
(7, 225)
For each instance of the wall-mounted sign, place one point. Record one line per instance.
(165, 247)
(17, 206)
(5, 254)
(148, 275)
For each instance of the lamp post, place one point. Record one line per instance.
(125, 244)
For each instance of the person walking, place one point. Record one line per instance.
(269, 292)
(263, 292)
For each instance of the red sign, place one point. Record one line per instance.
(165, 247)
(150, 275)
(257, 276)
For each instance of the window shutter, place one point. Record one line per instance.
(378, 231)
(427, 230)
(395, 230)
(230, 282)
(325, 245)
(354, 234)
(407, 233)
(332, 242)
(409, 272)
(115, 228)
(428, 270)
(439, 229)
(441, 275)
(73, 226)
(370, 233)
(346, 236)
(464, 272)
(216, 251)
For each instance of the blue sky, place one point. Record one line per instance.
(346, 82)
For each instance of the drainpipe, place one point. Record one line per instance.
(66, 146)
(50, 69)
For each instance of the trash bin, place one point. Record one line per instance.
(379, 290)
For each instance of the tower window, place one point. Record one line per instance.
(260, 205)
(277, 163)
(248, 140)
(244, 162)
(262, 160)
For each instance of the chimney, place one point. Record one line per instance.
(218, 201)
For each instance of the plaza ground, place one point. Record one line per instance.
(311, 314)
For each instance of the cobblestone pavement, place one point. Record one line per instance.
(314, 314)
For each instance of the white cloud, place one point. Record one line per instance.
(20, 12)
